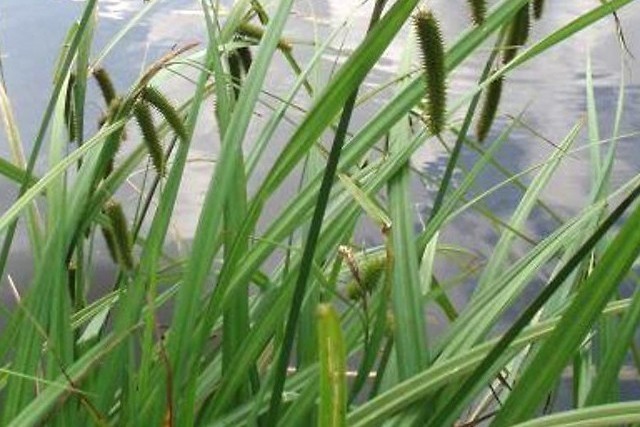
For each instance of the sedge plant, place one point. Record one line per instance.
(286, 319)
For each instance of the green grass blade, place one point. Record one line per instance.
(616, 414)
(333, 384)
(410, 337)
(14, 173)
(522, 212)
(607, 375)
(448, 371)
(586, 307)
(455, 405)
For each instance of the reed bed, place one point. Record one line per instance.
(267, 320)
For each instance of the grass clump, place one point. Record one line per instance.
(264, 319)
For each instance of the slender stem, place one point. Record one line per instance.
(312, 240)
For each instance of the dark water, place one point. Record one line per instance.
(549, 92)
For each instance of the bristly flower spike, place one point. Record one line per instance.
(489, 108)
(433, 62)
(478, 10)
(143, 116)
(105, 84)
(518, 33)
(162, 105)
(538, 8)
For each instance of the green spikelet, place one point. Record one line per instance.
(114, 143)
(518, 33)
(478, 10)
(105, 84)
(110, 240)
(371, 271)
(69, 112)
(244, 53)
(235, 72)
(121, 235)
(489, 109)
(354, 291)
(160, 102)
(143, 116)
(432, 50)
(523, 24)
(538, 8)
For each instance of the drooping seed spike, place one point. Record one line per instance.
(433, 62)
(114, 141)
(235, 72)
(478, 10)
(121, 235)
(489, 108)
(244, 53)
(518, 33)
(144, 118)
(165, 107)
(110, 240)
(538, 8)
(105, 84)
(69, 112)
(523, 25)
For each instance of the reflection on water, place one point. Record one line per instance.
(549, 91)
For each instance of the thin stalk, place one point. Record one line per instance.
(488, 363)
(312, 240)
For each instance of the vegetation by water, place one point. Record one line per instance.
(333, 333)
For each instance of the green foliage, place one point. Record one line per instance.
(120, 239)
(332, 408)
(254, 285)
